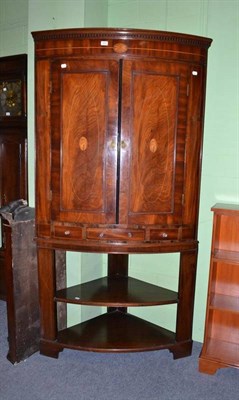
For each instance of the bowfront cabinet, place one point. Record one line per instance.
(119, 122)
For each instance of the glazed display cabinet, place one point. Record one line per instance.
(119, 129)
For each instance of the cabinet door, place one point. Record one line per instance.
(12, 167)
(84, 111)
(153, 135)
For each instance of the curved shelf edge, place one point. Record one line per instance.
(117, 291)
(116, 332)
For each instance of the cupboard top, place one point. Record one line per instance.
(119, 41)
(224, 208)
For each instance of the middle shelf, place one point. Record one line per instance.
(117, 291)
(224, 302)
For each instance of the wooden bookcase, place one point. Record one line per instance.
(221, 340)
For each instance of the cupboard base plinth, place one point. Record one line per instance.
(181, 349)
(210, 367)
(50, 348)
(116, 332)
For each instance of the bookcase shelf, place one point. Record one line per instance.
(219, 350)
(227, 256)
(224, 302)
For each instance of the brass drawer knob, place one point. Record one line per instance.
(123, 144)
(113, 145)
(164, 235)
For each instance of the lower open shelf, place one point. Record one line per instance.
(221, 351)
(116, 332)
(217, 354)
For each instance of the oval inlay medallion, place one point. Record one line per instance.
(120, 48)
(153, 145)
(83, 143)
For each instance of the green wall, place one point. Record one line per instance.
(218, 19)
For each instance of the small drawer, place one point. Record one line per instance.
(164, 234)
(188, 232)
(68, 232)
(43, 230)
(115, 234)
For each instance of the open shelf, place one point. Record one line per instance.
(226, 256)
(117, 291)
(223, 302)
(116, 332)
(222, 351)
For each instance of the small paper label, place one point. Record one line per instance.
(104, 42)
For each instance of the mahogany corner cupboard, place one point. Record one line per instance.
(119, 125)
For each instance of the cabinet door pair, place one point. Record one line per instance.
(118, 133)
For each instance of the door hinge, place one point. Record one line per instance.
(50, 87)
(182, 199)
(50, 195)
